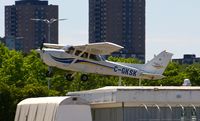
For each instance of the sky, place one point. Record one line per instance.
(171, 25)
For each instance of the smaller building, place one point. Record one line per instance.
(53, 109)
(2, 40)
(187, 59)
(144, 103)
(14, 43)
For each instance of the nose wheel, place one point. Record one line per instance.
(49, 72)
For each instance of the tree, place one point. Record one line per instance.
(34, 69)
(21, 77)
(193, 73)
(7, 102)
(11, 65)
(173, 75)
(124, 60)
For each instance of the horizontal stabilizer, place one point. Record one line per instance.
(151, 76)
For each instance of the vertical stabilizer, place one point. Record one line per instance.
(159, 63)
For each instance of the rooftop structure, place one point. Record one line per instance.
(21, 33)
(31, 2)
(143, 103)
(187, 59)
(142, 95)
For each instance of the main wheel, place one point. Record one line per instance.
(84, 77)
(69, 77)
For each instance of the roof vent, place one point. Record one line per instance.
(74, 98)
(186, 82)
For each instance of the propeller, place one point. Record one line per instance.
(42, 44)
(40, 50)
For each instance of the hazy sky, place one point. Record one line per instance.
(172, 25)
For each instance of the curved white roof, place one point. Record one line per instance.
(53, 100)
(44, 108)
(40, 100)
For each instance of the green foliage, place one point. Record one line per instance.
(34, 90)
(124, 60)
(7, 102)
(33, 68)
(20, 77)
(11, 67)
(193, 73)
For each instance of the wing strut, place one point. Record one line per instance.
(76, 58)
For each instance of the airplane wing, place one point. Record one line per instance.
(54, 46)
(102, 48)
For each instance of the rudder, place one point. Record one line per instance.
(159, 63)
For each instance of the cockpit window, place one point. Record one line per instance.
(77, 52)
(95, 57)
(102, 58)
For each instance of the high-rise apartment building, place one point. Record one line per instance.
(121, 22)
(21, 33)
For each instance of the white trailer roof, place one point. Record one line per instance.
(53, 100)
(42, 100)
(43, 108)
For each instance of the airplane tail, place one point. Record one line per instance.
(158, 64)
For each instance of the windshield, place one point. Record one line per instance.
(102, 58)
(97, 57)
(69, 50)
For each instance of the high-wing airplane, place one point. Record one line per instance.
(88, 59)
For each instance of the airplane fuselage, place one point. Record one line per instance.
(61, 59)
(86, 59)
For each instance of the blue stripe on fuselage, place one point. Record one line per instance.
(70, 60)
(63, 60)
(80, 61)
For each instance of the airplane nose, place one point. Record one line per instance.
(41, 52)
(38, 51)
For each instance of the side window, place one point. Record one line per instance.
(77, 52)
(84, 55)
(93, 57)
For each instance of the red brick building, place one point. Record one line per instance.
(21, 33)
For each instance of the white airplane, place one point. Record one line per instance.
(88, 59)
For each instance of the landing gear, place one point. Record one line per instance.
(84, 77)
(49, 72)
(69, 77)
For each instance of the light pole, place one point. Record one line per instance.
(48, 22)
